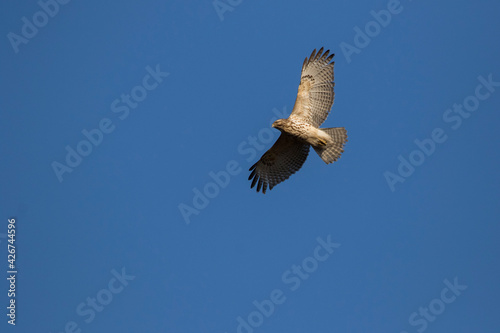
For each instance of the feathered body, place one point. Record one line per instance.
(301, 130)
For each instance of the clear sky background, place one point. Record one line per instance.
(412, 250)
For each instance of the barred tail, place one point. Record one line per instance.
(332, 151)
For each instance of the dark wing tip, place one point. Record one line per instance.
(251, 175)
(319, 53)
(304, 63)
(259, 185)
(323, 57)
(313, 54)
(257, 180)
(254, 180)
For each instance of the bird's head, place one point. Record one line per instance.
(279, 124)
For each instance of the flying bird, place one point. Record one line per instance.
(301, 129)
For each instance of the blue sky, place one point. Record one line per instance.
(113, 118)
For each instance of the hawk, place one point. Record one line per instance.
(301, 129)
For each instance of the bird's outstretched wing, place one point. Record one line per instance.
(282, 160)
(315, 95)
